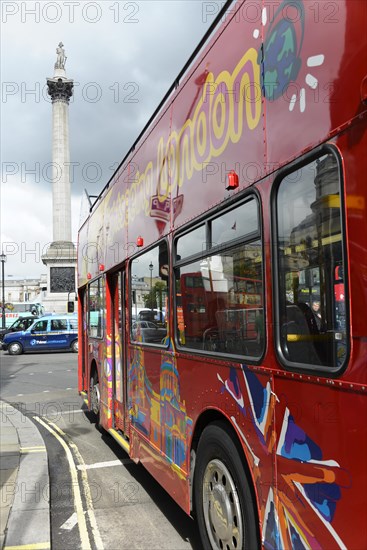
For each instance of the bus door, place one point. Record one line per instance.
(119, 376)
(83, 378)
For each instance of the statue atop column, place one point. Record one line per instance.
(61, 57)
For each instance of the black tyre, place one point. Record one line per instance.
(74, 346)
(15, 348)
(223, 502)
(95, 396)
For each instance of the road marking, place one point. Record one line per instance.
(107, 464)
(36, 546)
(71, 411)
(78, 505)
(46, 391)
(33, 449)
(70, 523)
(88, 497)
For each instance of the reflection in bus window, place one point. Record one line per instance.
(235, 223)
(192, 243)
(219, 302)
(312, 327)
(149, 296)
(95, 309)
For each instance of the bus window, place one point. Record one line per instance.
(235, 223)
(95, 309)
(219, 296)
(311, 327)
(148, 296)
(192, 243)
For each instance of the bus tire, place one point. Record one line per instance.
(223, 502)
(74, 346)
(15, 348)
(95, 397)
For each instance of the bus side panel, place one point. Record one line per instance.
(82, 335)
(149, 195)
(160, 426)
(318, 86)
(115, 222)
(243, 396)
(94, 253)
(82, 262)
(105, 363)
(217, 131)
(355, 177)
(321, 456)
(165, 411)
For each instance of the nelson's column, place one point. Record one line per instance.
(60, 257)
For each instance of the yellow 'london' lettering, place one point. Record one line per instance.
(229, 105)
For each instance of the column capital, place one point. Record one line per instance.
(60, 89)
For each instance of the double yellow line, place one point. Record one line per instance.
(78, 504)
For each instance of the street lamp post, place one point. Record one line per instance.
(151, 285)
(3, 260)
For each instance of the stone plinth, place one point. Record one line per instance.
(60, 260)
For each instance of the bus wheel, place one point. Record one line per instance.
(15, 348)
(95, 397)
(223, 503)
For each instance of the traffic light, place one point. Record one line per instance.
(71, 307)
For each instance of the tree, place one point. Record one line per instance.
(155, 297)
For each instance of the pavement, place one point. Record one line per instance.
(24, 492)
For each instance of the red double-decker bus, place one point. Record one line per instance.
(252, 169)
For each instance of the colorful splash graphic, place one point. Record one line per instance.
(280, 55)
(106, 389)
(160, 416)
(305, 479)
(282, 46)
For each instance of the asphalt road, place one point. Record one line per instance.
(100, 499)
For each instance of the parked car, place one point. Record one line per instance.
(154, 315)
(22, 323)
(148, 332)
(56, 332)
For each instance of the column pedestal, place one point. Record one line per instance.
(60, 260)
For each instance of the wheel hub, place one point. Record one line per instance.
(95, 397)
(15, 347)
(219, 511)
(222, 510)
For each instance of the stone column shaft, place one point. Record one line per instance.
(60, 89)
(61, 193)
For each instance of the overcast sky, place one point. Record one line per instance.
(122, 56)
